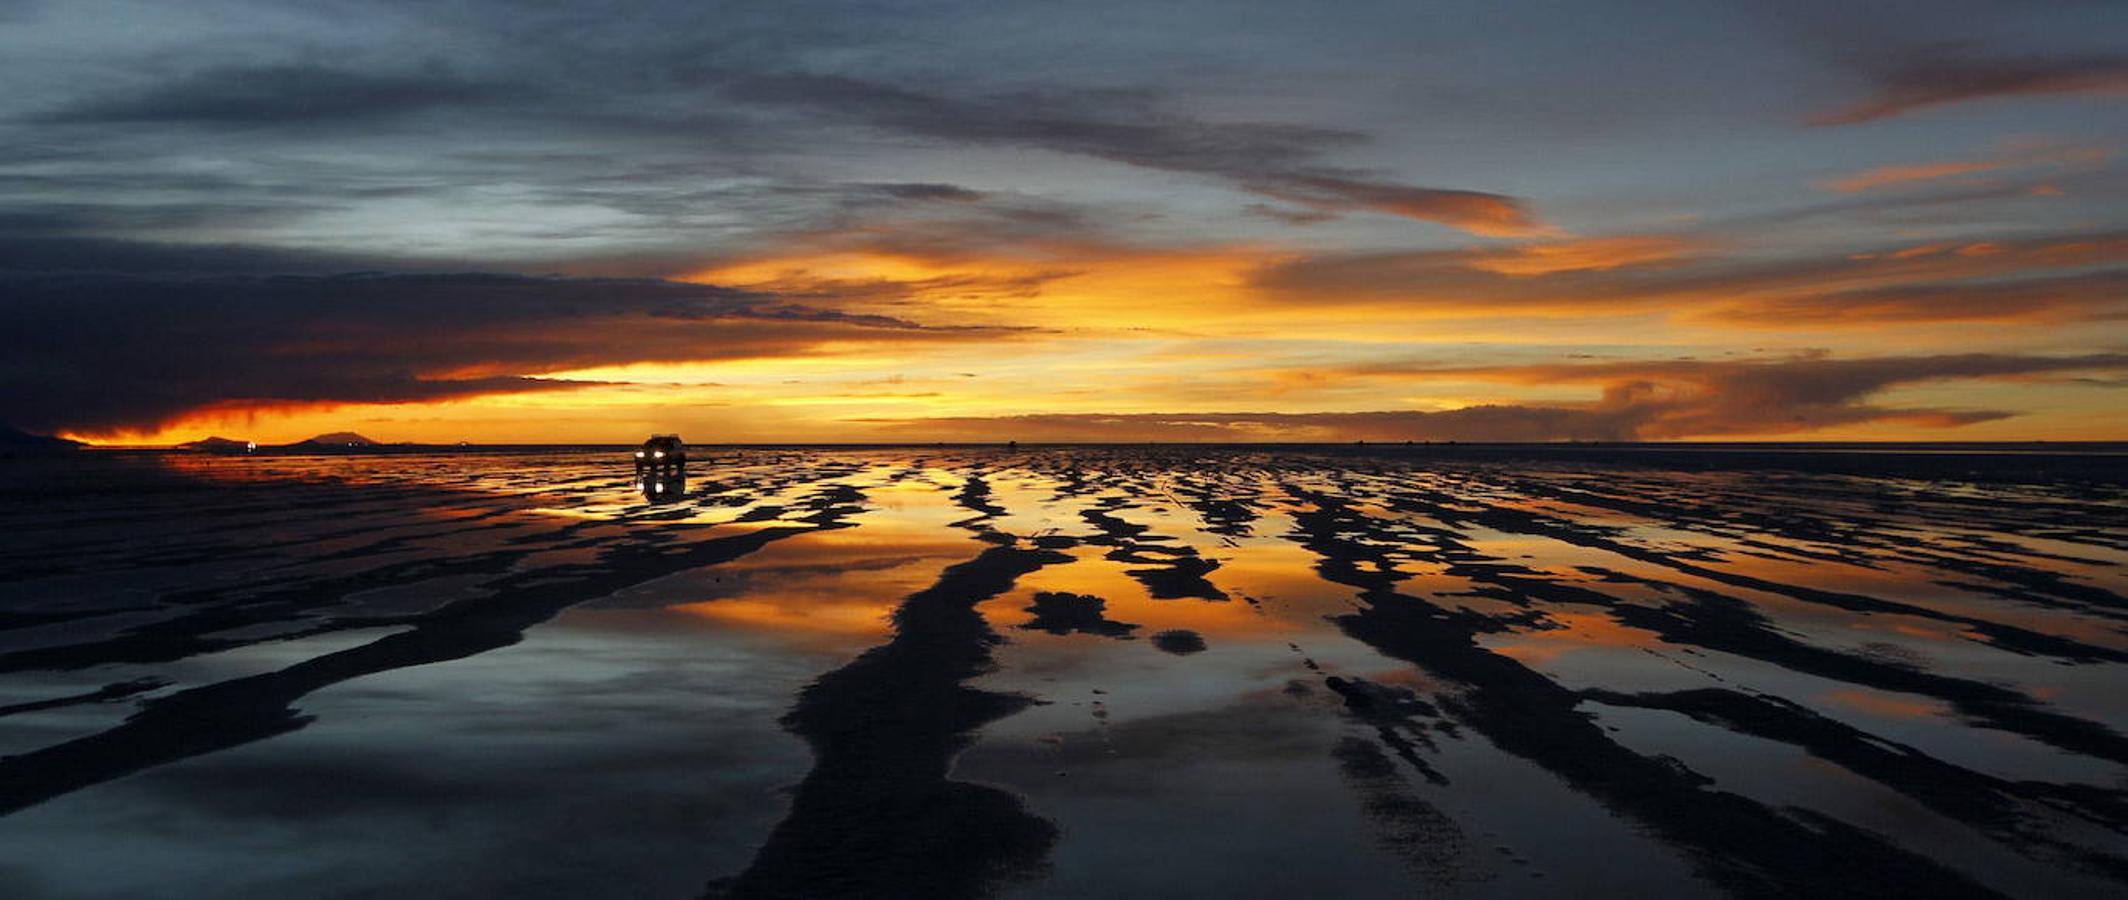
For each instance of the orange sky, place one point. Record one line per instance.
(1552, 323)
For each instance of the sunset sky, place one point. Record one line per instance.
(534, 222)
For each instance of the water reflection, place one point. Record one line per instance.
(1467, 676)
(663, 486)
(661, 469)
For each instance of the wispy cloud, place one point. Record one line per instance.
(1638, 400)
(1130, 127)
(2028, 158)
(1664, 399)
(1653, 274)
(1885, 176)
(1908, 80)
(282, 94)
(2088, 296)
(1599, 254)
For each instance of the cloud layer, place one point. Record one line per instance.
(96, 354)
(1280, 161)
(1640, 401)
(1400, 221)
(1916, 79)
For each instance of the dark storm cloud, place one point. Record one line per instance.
(1130, 127)
(278, 95)
(1910, 79)
(1641, 400)
(98, 354)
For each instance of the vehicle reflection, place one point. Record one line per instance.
(663, 485)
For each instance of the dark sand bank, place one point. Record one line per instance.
(1127, 671)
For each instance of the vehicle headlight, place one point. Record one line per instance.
(661, 454)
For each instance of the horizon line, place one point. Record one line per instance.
(456, 445)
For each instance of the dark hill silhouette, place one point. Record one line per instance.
(14, 441)
(330, 442)
(338, 439)
(216, 445)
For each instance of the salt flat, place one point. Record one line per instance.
(1067, 671)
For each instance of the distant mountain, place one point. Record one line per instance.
(216, 445)
(334, 442)
(14, 441)
(337, 439)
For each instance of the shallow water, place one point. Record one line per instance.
(1065, 672)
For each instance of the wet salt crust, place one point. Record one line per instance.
(958, 672)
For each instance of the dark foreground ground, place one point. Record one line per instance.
(1112, 672)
